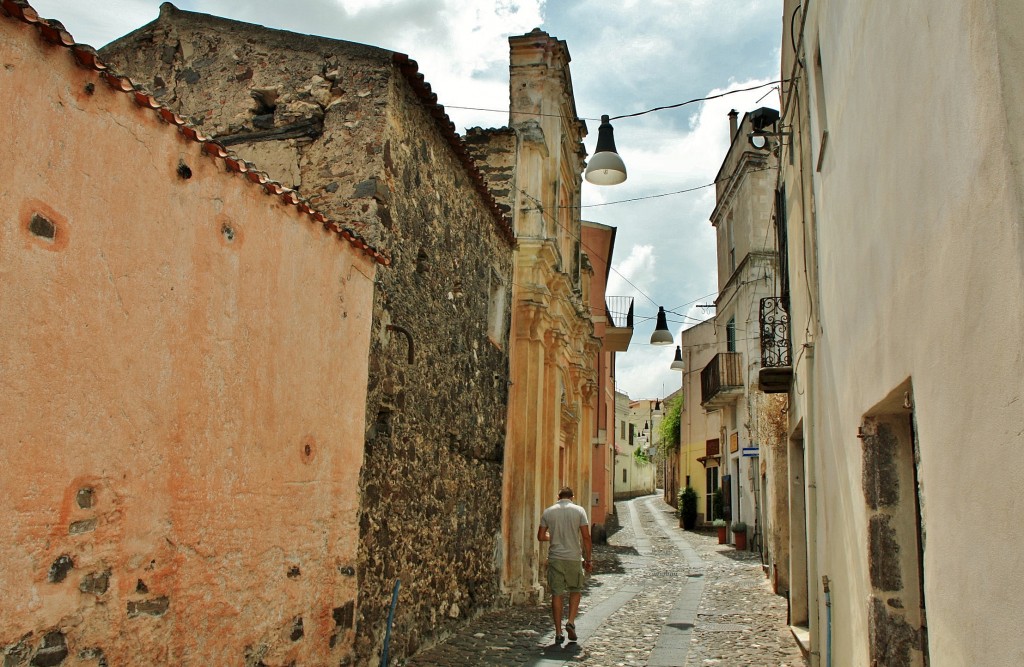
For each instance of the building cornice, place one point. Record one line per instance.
(747, 162)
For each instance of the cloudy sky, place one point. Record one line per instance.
(627, 56)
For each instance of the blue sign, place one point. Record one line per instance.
(750, 451)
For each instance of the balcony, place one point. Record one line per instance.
(619, 310)
(721, 381)
(776, 372)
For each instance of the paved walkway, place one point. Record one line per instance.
(660, 597)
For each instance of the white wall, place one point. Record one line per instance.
(920, 251)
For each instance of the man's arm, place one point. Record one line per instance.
(587, 547)
(542, 533)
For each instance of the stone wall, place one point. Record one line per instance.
(179, 347)
(376, 152)
(432, 475)
(311, 120)
(494, 150)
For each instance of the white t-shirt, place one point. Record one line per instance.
(563, 521)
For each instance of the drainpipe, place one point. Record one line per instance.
(812, 510)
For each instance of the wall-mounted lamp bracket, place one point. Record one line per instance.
(408, 337)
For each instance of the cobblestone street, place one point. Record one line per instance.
(660, 597)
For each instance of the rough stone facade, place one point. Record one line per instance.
(179, 342)
(357, 128)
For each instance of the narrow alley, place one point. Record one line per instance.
(659, 596)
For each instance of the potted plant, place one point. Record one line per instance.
(723, 536)
(687, 508)
(739, 531)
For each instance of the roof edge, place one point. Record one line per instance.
(410, 70)
(53, 32)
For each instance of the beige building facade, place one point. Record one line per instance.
(747, 272)
(552, 402)
(901, 200)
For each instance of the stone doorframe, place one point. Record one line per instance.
(897, 622)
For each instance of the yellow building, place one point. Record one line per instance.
(698, 457)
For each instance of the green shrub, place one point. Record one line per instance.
(718, 504)
(688, 508)
(739, 527)
(668, 429)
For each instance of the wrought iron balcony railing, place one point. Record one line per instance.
(776, 354)
(619, 310)
(721, 381)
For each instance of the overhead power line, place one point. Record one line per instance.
(628, 115)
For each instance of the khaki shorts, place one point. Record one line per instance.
(565, 575)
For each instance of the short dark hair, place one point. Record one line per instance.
(565, 492)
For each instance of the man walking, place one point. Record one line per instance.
(565, 524)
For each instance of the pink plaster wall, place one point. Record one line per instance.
(193, 351)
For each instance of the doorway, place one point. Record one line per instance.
(711, 484)
(892, 484)
(798, 584)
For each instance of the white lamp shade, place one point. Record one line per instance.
(661, 337)
(605, 168)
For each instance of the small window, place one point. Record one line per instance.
(730, 335)
(732, 244)
(623, 475)
(622, 430)
(821, 111)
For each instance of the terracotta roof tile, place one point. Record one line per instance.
(53, 32)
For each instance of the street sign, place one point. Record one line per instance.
(750, 451)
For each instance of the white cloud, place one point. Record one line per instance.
(635, 274)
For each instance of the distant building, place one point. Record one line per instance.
(635, 467)
(747, 272)
(699, 457)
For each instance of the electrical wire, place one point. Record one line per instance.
(665, 194)
(698, 99)
(628, 115)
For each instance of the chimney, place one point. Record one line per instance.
(733, 115)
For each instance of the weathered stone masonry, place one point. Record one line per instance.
(356, 127)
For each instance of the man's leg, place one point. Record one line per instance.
(556, 612)
(574, 606)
